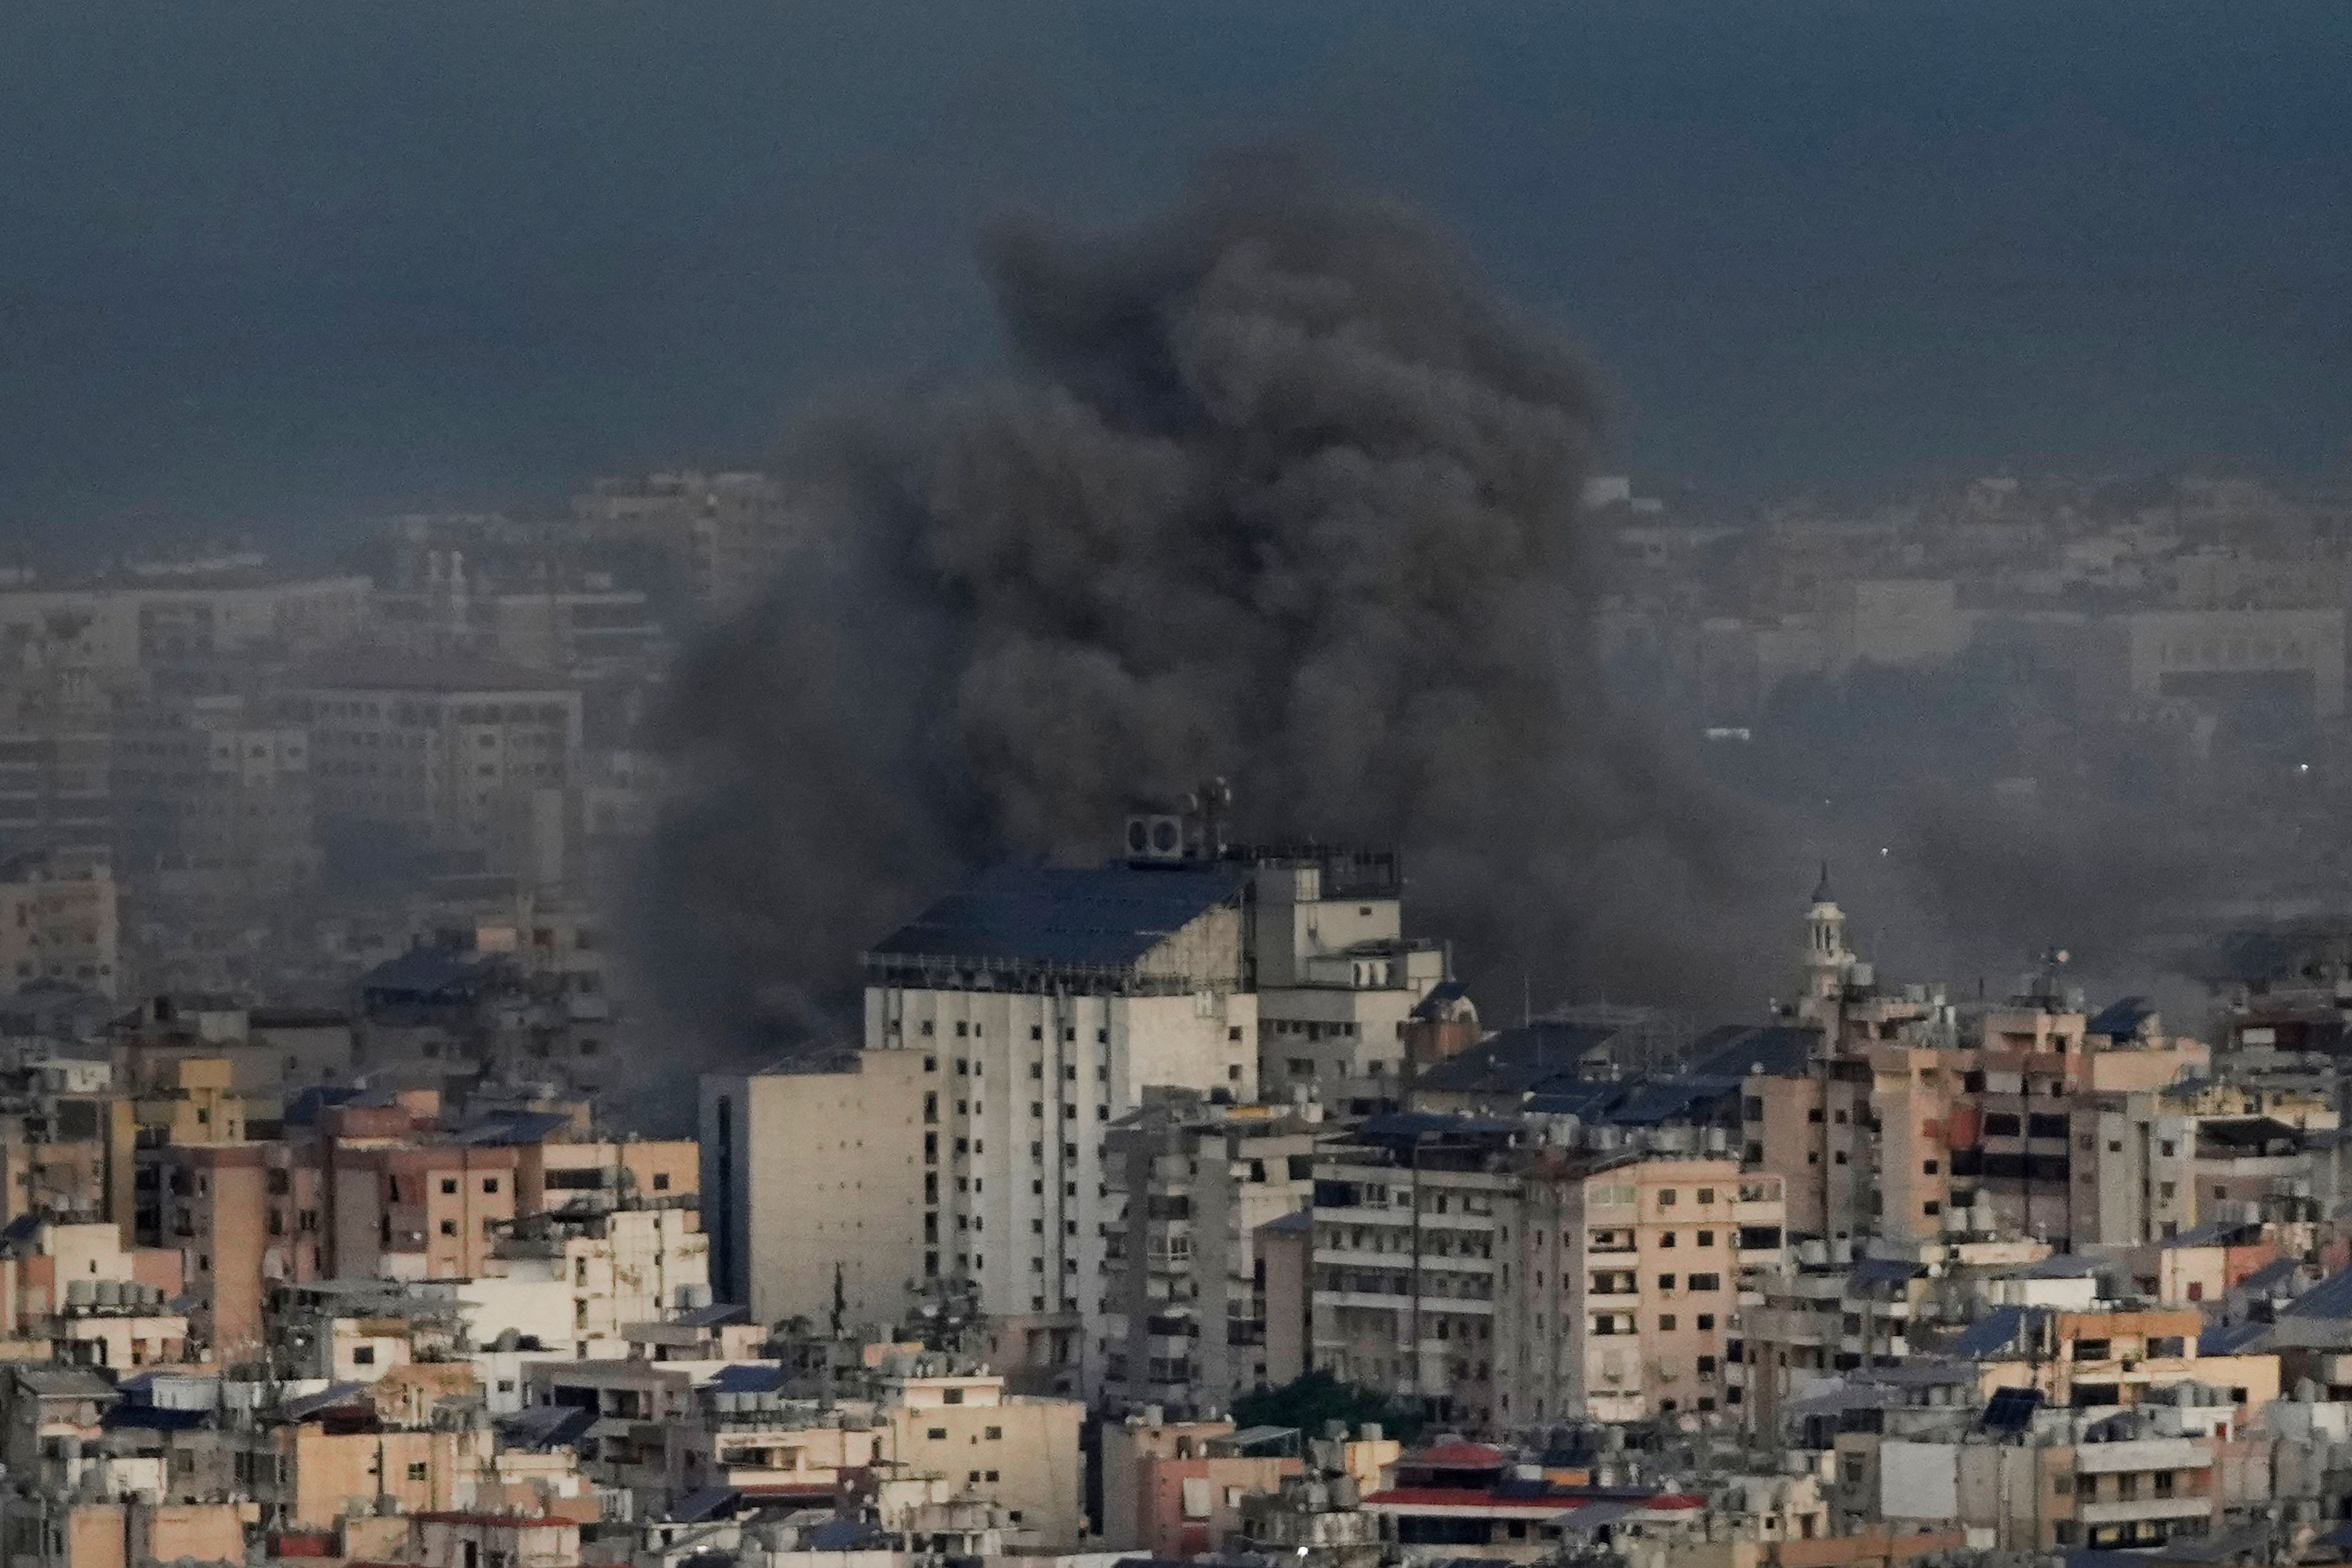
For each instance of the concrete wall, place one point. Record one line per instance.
(804, 1174)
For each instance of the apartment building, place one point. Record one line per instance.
(452, 751)
(821, 1183)
(2288, 660)
(56, 765)
(1411, 1252)
(728, 533)
(210, 1202)
(1174, 1489)
(1632, 1271)
(1336, 979)
(1042, 1004)
(213, 797)
(623, 1266)
(1923, 1117)
(59, 923)
(1183, 1323)
(154, 619)
(535, 612)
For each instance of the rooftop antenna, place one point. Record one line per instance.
(1207, 806)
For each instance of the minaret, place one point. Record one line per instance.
(1827, 960)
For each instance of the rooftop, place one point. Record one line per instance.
(1105, 917)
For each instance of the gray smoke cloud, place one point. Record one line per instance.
(1276, 487)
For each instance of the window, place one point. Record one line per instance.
(1706, 1322)
(1665, 1281)
(1666, 1198)
(363, 1356)
(1666, 1239)
(1667, 1323)
(418, 1470)
(937, 1433)
(448, 1227)
(993, 1434)
(1706, 1238)
(489, 1184)
(1707, 1281)
(1927, 1167)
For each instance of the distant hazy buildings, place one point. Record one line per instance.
(58, 923)
(728, 533)
(460, 754)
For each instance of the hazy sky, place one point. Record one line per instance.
(294, 264)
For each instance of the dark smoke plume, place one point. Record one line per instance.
(1280, 488)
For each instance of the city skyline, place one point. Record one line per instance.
(287, 278)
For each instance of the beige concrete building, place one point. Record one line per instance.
(1921, 1117)
(1176, 1491)
(731, 532)
(623, 1266)
(313, 1472)
(459, 754)
(814, 1176)
(1184, 1312)
(59, 923)
(1021, 1452)
(1629, 1287)
(144, 620)
(213, 798)
(1412, 1222)
(127, 1534)
(210, 1202)
(1043, 1002)
(1336, 977)
(2294, 657)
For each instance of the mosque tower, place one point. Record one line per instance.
(1828, 960)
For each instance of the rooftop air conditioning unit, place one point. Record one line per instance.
(1155, 838)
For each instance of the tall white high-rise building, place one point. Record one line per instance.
(1043, 1002)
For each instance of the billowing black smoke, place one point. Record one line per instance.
(1278, 489)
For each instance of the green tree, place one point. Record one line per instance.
(1318, 1397)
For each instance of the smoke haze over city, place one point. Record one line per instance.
(1030, 785)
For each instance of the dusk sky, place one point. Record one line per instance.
(289, 267)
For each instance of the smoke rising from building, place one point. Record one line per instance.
(1280, 488)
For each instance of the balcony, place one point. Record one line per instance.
(2142, 1454)
(2125, 1511)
